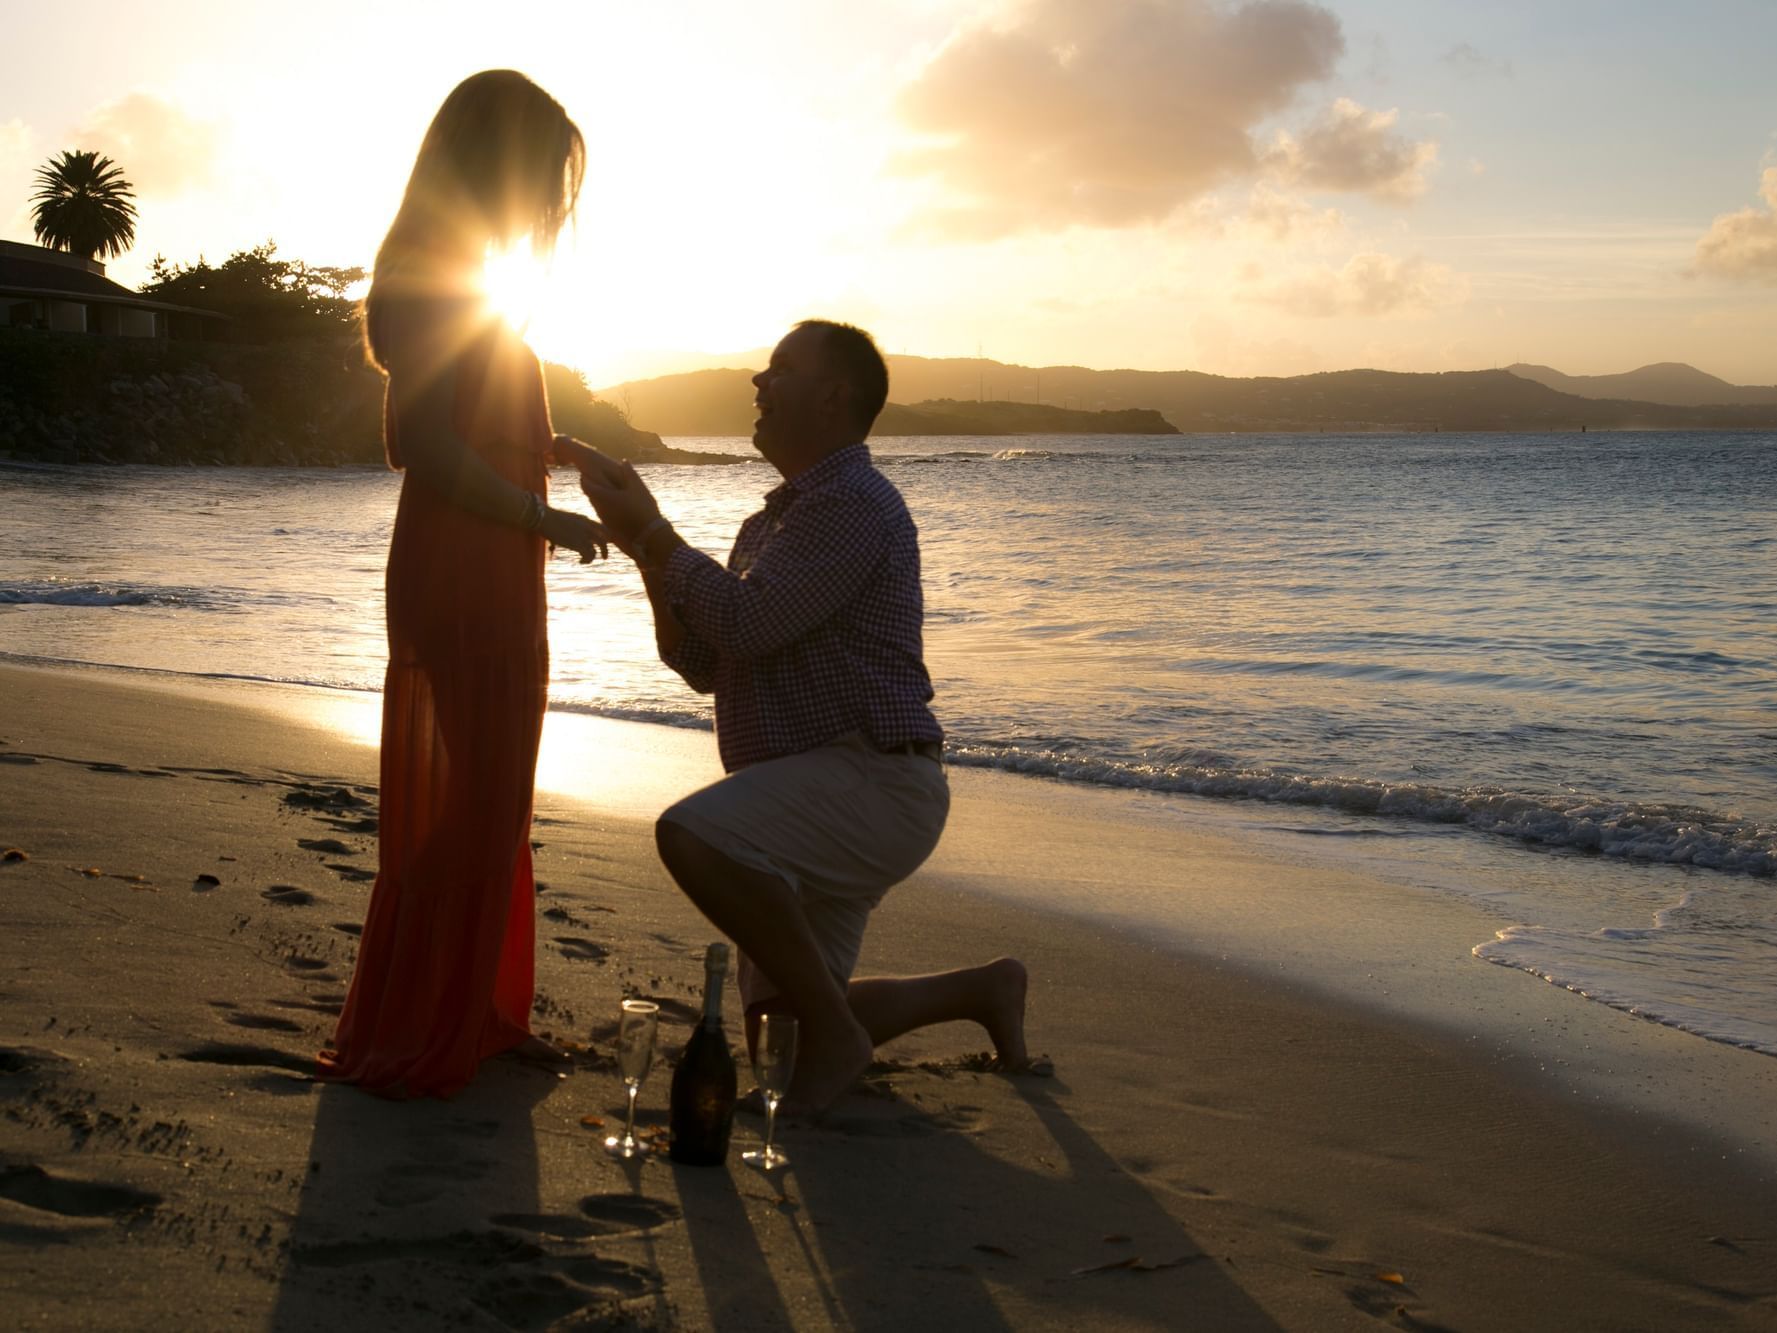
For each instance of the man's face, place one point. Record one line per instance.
(796, 396)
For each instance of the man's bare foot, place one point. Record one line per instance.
(1007, 982)
(826, 1069)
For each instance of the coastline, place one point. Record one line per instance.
(1312, 1092)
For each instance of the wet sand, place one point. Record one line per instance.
(1226, 1142)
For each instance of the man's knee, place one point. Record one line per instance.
(678, 846)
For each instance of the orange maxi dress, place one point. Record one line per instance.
(444, 977)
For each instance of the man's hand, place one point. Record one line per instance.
(589, 461)
(623, 500)
(563, 527)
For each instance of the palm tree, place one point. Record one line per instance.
(84, 205)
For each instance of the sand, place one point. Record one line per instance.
(1271, 1125)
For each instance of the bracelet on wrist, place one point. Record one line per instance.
(652, 526)
(535, 512)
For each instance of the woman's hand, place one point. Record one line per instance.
(563, 527)
(589, 461)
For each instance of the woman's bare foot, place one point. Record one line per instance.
(1006, 982)
(825, 1069)
(533, 1050)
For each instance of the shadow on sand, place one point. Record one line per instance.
(815, 1228)
(413, 1211)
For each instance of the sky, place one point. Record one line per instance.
(1244, 187)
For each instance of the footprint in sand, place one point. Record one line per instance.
(283, 1085)
(410, 1183)
(351, 928)
(531, 1289)
(550, 1299)
(330, 846)
(599, 1215)
(331, 799)
(243, 1056)
(27, 1060)
(353, 874)
(263, 1023)
(34, 1187)
(581, 950)
(289, 895)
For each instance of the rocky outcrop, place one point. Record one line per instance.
(310, 402)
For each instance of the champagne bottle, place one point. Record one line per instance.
(704, 1085)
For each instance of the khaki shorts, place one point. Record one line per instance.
(840, 824)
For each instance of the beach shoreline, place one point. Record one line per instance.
(1314, 1099)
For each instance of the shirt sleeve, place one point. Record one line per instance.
(695, 661)
(813, 564)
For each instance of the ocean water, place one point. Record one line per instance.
(1545, 646)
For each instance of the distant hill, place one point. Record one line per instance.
(1669, 382)
(720, 402)
(947, 416)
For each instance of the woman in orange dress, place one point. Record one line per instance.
(444, 974)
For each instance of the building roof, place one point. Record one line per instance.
(33, 270)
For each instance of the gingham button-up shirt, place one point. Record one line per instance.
(813, 629)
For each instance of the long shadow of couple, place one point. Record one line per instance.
(418, 1213)
(414, 1214)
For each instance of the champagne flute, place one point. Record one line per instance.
(635, 1055)
(774, 1061)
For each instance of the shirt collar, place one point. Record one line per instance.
(840, 460)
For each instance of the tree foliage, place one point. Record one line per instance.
(269, 299)
(84, 205)
(575, 410)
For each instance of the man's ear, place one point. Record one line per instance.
(837, 398)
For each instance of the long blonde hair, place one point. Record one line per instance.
(500, 160)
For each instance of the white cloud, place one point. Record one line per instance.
(1110, 114)
(1354, 150)
(1368, 284)
(162, 149)
(1742, 246)
(1281, 217)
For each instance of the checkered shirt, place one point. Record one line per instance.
(813, 629)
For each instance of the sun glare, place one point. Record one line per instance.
(514, 283)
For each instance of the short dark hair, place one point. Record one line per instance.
(859, 362)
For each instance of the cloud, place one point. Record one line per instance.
(1466, 60)
(1742, 246)
(15, 139)
(1111, 114)
(1369, 285)
(17, 161)
(162, 149)
(1354, 150)
(1280, 217)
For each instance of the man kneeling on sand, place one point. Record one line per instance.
(810, 640)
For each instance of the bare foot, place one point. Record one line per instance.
(533, 1050)
(1007, 982)
(825, 1069)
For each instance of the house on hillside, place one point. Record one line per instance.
(63, 293)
